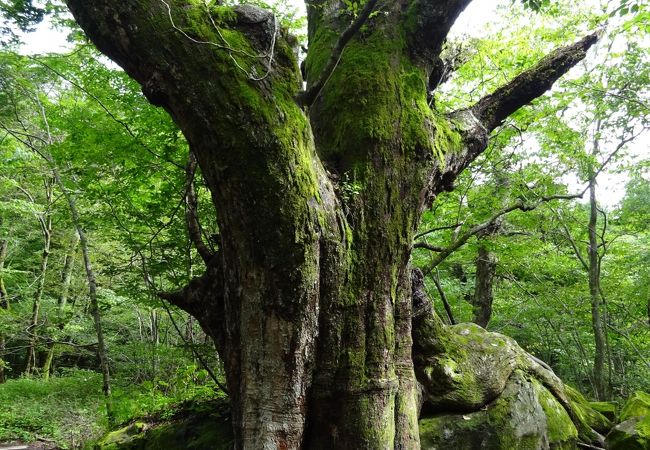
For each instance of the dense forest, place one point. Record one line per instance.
(228, 224)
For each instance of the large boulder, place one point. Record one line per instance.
(632, 434)
(633, 431)
(638, 405)
(525, 416)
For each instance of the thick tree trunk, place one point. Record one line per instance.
(309, 297)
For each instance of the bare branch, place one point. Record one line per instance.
(462, 240)
(425, 245)
(307, 98)
(443, 297)
(475, 123)
(433, 230)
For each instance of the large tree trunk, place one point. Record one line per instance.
(318, 196)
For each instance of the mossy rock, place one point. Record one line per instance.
(587, 413)
(607, 409)
(633, 434)
(525, 417)
(638, 405)
(127, 438)
(203, 426)
(207, 433)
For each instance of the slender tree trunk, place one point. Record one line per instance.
(598, 316)
(92, 287)
(46, 228)
(66, 278)
(4, 306)
(486, 264)
(598, 326)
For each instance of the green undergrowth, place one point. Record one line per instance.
(66, 409)
(70, 410)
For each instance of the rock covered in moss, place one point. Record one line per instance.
(205, 429)
(587, 413)
(607, 409)
(633, 434)
(638, 405)
(525, 416)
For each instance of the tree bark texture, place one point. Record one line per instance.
(486, 264)
(309, 297)
(597, 319)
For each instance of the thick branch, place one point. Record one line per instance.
(203, 299)
(431, 22)
(493, 109)
(308, 97)
(476, 123)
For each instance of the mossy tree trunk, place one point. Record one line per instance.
(318, 195)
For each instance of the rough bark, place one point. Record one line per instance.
(309, 297)
(486, 264)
